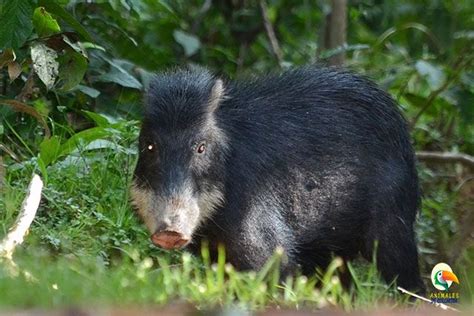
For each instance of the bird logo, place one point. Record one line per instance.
(442, 277)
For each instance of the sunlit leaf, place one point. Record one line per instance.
(433, 74)
(44, 23)
(53, 7)
(189, 42)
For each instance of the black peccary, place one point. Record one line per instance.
(316, 161)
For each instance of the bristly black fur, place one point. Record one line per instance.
(315, 160)
(178, 100)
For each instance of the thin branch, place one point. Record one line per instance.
(440, 305)
(2, 173)
(429, 156)
(271, 33)
(27, 214)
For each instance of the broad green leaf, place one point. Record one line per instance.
(121, 77)
(433, 74)
(56, 9)
(120, 73)
(189, 42)
(45, 63)
(16, 23)
(98, 118)
(49, 150)
(72, 68)
(80, 140)
(44, 23)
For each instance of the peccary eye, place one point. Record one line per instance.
(201, 148)
(150, 147)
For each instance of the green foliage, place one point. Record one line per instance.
(57, 8)
(73, 69)
(16, 23)
(72, 74)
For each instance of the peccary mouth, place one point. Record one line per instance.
(169, 239)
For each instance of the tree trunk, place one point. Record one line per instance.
(336, 28)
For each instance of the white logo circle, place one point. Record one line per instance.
(436, 274)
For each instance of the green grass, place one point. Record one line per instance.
(87, 248)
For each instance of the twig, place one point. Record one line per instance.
(441, 305)
(271, 33)
(27, 214)
(464, 159)
(2, 173)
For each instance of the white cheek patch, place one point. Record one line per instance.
(209, 201)
(142, 200)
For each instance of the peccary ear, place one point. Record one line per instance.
(217, 95)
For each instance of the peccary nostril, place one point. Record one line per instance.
(169, 239)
